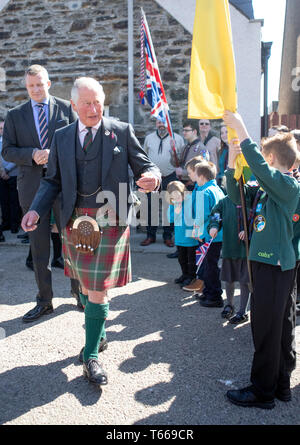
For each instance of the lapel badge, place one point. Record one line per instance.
(107, 133)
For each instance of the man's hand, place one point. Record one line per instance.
(147, 182)
(29, 221)
(40, 157)
(4, 175)
(235, 121)
(234, 150)
(213, 232)
(178, 171)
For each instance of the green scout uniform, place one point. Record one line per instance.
(226, 211)
(271, 240)
(273, 269)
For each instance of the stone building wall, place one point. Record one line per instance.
(75, 38)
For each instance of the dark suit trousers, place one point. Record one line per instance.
(9, 200)
(273, 319)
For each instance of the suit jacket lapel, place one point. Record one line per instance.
(109, 140)
(53, 110)
(29, 119)
(68, 153)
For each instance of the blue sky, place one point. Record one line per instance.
(273, 13)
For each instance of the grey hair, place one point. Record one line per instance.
(86, 82)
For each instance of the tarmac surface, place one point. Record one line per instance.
(169, 360)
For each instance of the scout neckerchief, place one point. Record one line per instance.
(253, 210)
(161, 141)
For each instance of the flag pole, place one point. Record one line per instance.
(245, 222)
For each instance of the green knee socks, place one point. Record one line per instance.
(95, 316)
(84, 300)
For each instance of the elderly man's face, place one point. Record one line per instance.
(37, 86)
(89, 106)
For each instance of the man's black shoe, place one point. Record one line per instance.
(211, 303)
(58, 262)
(93, 371)
(2, 238)
(173, 255)
(245, 397)
(102, 347)
(25, 241)
(23, 236)
(37, 312)
(29, 264)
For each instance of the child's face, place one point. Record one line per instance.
(176, 196)
(191, 174)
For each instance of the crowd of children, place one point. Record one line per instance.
(211, 216)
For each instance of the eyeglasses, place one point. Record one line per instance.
(186, 129)
(204, 123)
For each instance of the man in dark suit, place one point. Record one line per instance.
(88, 164)
(28, 132)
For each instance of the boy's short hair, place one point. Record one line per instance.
(283, 146)
(193, 162)
(175, 186)
(193, 123)
(207, 169)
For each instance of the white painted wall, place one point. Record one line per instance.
(247, 48)
(3, 3)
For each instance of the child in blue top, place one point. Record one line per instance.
(180, 213)
(208, 195)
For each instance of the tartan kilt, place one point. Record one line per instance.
(108, 267)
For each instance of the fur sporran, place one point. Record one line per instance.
(86, 234)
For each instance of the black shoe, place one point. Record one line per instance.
(227, 311)
(25, 241)
(239, 318)
(173, 255)
(58, 262)
(2, 238)
(246, 397)
(29, 264)
(211, 303)
(180, 279)
(23, 236)
(93, 371)
(102, 347)
(37, 312)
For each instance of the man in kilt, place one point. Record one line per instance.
(88, 164)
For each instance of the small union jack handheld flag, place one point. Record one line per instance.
(201, 252)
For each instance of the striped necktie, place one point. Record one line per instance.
(88, 139)
(43, 126)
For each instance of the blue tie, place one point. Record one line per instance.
(43, 127)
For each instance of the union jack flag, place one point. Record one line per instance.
(201, 252)
(155, 93)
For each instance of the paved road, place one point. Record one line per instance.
(170, 361)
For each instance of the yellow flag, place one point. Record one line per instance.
(212, 87)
